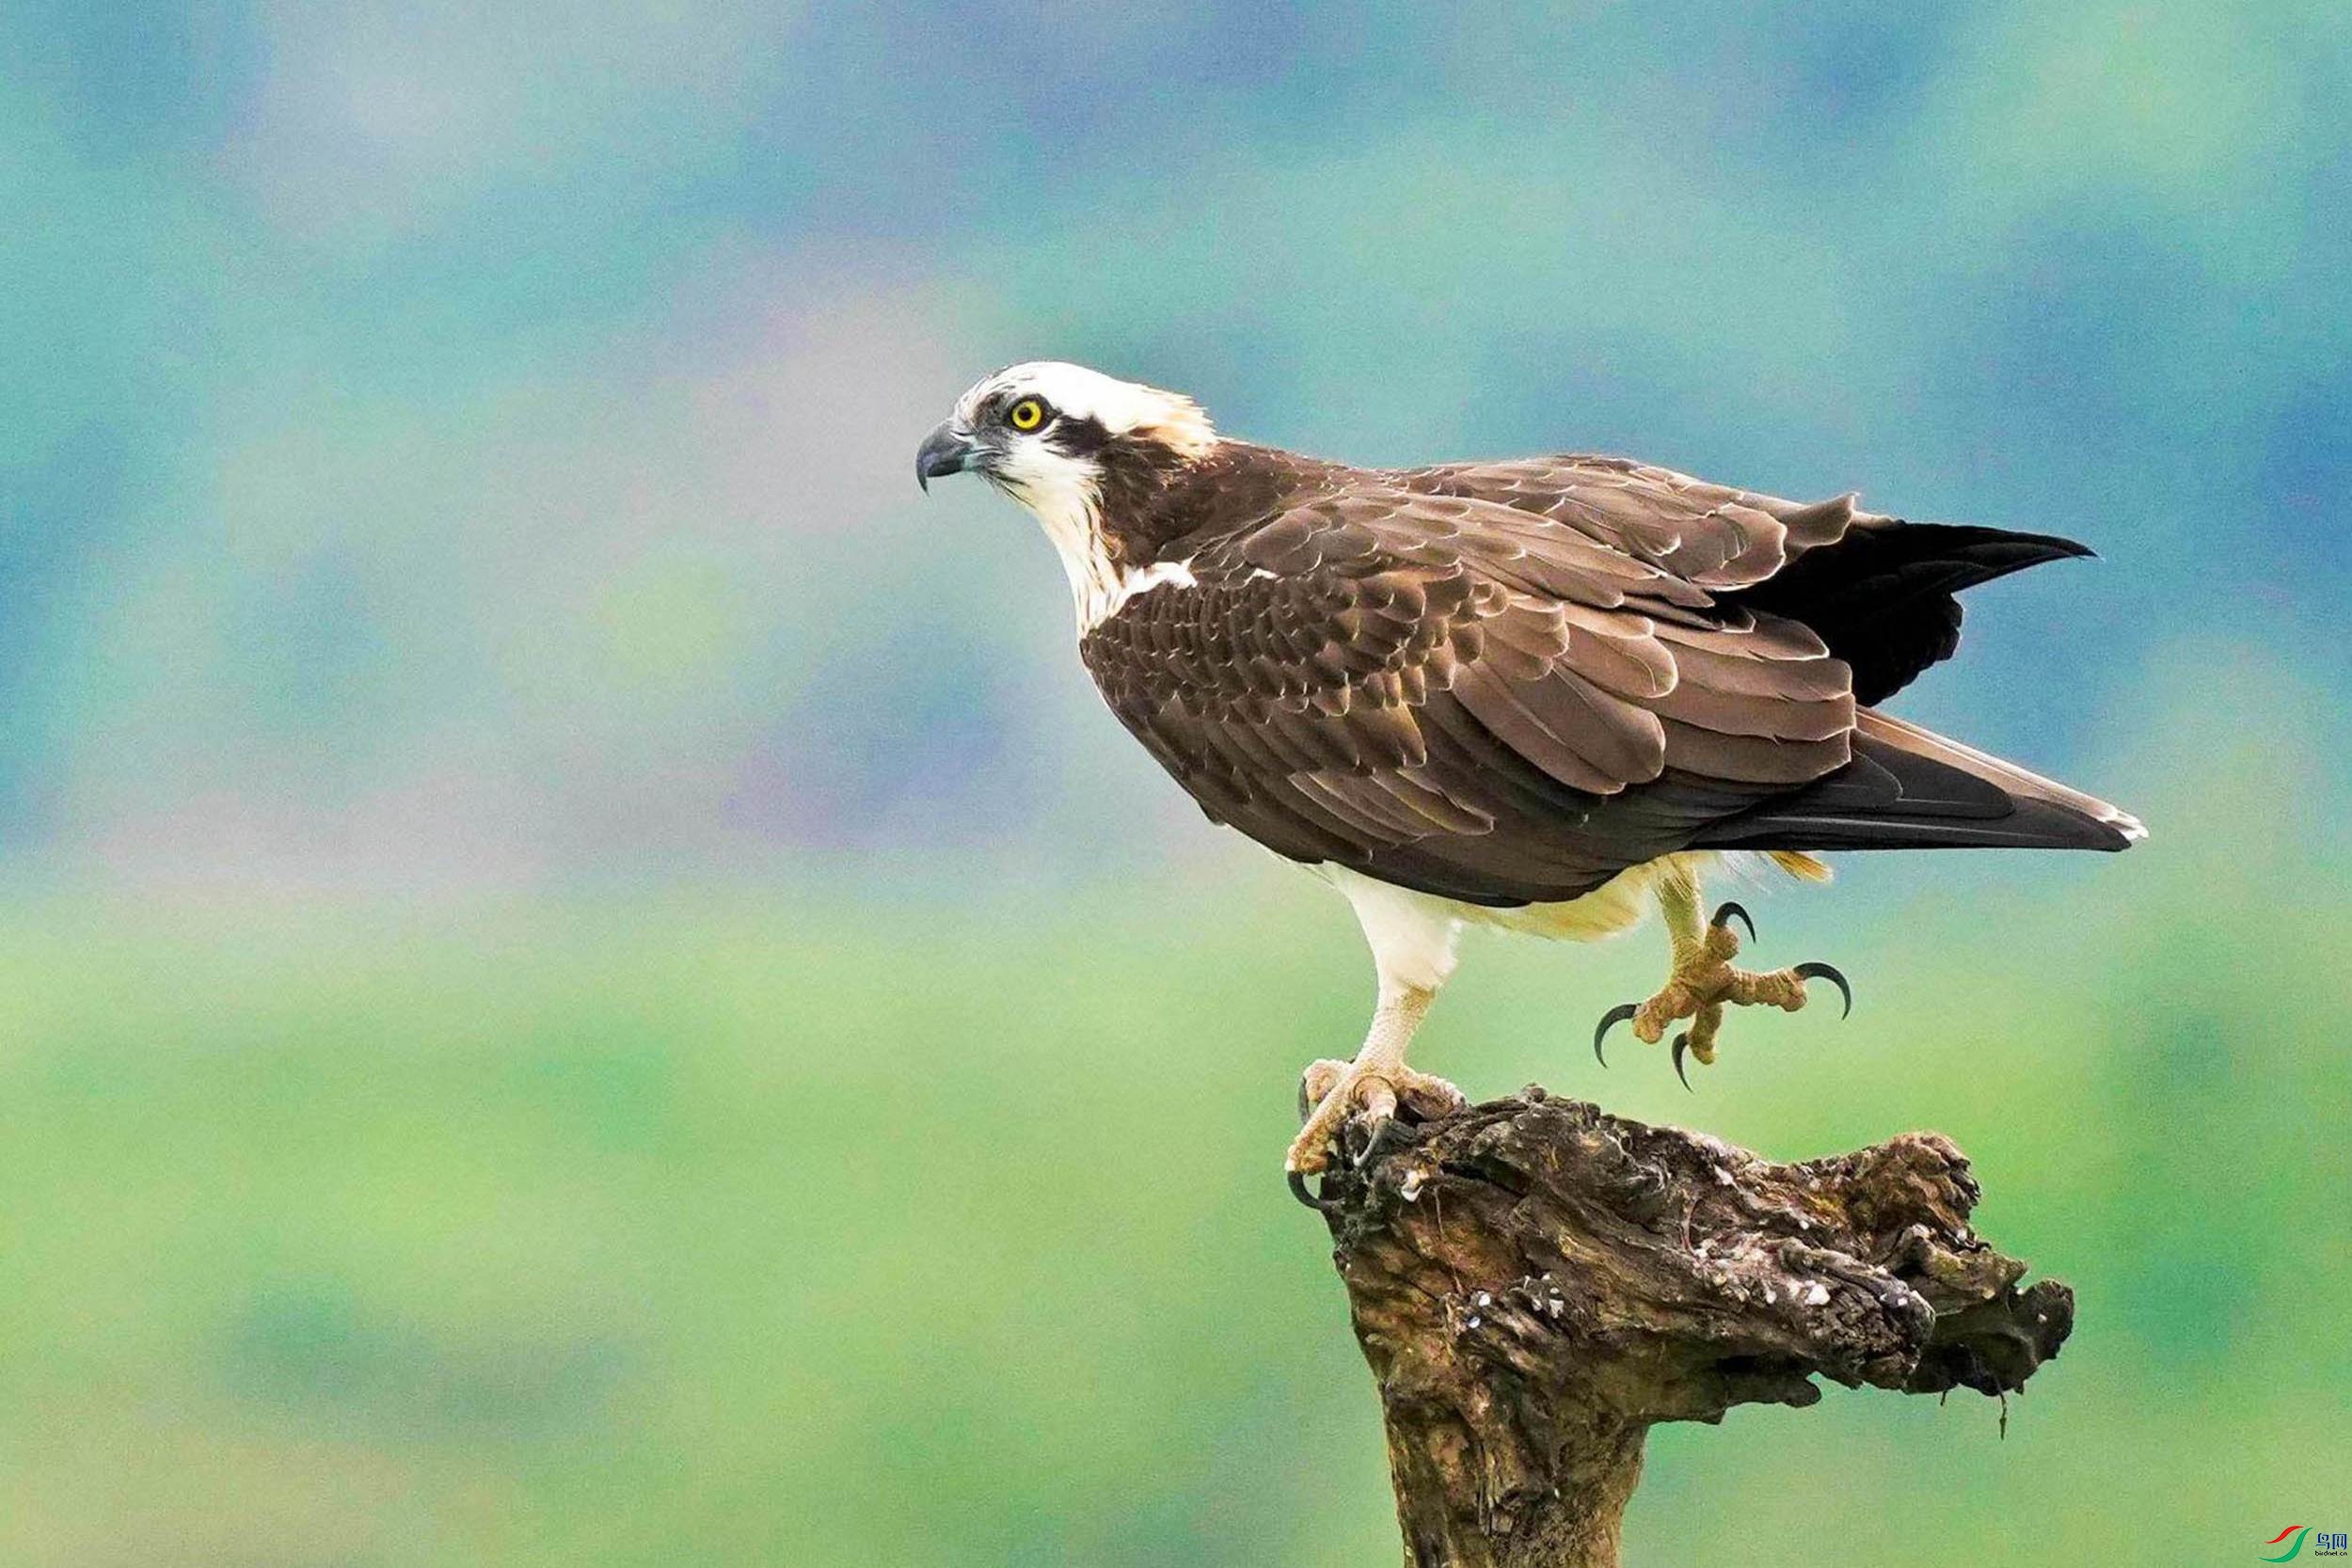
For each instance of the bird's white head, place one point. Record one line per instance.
(1063, 440)
(1047, 429)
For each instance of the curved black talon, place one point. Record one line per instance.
(1609, 1020)
(1377, 1142)
(1298, 1191)
(1306, 1106)
(1729, 911)
(1824, 972)
(1682, 1043)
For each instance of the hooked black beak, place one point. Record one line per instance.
(949, 450)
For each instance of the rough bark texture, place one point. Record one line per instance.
(1536, 1282)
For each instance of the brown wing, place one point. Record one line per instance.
(1711, 535)
(1883, 594)
(1463, 697)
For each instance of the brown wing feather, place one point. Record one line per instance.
(1459, 697)
(1709, 535)
(1882, 592)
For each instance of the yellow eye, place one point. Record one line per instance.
(1027, 413)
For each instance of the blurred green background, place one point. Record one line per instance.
(582, 979)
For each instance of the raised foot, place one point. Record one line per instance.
(1367, 1093)
(1703, 982)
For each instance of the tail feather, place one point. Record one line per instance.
(1909, 788)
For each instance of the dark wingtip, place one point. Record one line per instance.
(2057, 548)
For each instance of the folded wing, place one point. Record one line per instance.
(1438, 692)
(1507, 703)
(1883, 594)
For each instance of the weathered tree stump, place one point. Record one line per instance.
(1536, 1283)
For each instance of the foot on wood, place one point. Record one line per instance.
(1332, 1094)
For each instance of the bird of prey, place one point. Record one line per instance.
(1538, 694)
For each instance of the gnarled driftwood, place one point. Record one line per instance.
(1536, 1283)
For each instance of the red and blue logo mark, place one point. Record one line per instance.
(2329, 1544)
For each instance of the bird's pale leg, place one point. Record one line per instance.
(1372, 1083)
(1702, 981)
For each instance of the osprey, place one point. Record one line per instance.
(1538, 694)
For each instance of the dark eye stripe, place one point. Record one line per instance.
(1080, 436)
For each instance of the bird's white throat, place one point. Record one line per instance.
(1064, 489)
(1063, 497)
(1067, 505)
